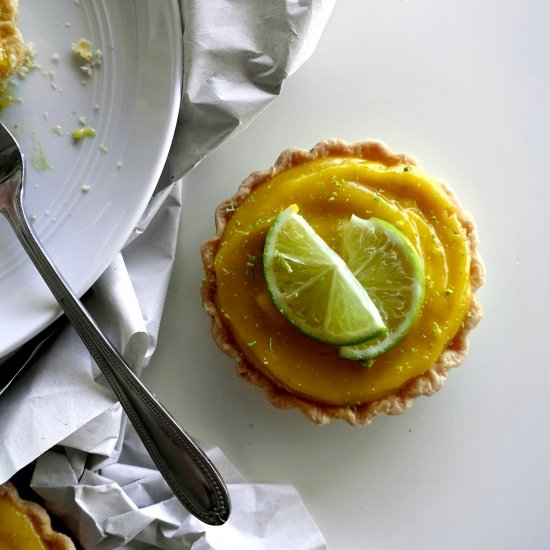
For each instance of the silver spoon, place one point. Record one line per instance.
(187, 470)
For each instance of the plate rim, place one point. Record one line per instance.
(172, 114)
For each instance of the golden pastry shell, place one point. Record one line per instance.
(39, 518)
(321, 413)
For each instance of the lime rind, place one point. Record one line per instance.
(391, 270)
(312, 286)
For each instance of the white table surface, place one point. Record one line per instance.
(463, 85)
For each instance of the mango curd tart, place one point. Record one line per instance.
(25, 525)
(331, 184)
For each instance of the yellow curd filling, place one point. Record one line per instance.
(16, 529)
(328, 191)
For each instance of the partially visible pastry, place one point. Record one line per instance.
(12, 46)
(330, 184)
(25, 525)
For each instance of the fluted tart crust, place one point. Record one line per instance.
(332, 180)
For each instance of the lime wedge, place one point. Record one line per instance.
(390, 269)
(312, 286)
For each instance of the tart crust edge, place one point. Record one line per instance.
(39, 518)
(320, 413)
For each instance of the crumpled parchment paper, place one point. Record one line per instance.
(90, 468)
(126, 504)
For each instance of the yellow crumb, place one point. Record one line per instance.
(81, 133)
(12, 47)
(84, 49)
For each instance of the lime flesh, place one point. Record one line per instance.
(313, 288)
(390, 269)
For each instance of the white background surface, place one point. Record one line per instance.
(464, 86)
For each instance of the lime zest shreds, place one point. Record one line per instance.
(313, 288)
(391, 270)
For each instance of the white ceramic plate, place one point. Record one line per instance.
(132, 102)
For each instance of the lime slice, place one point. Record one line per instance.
(312, 286)
(390, 269)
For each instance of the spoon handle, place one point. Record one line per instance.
(187, 470)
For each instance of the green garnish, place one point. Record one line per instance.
(81, 133)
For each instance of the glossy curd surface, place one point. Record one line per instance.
(16, 529)
(328, 191)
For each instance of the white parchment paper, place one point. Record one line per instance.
(90, 468)
(126, 504)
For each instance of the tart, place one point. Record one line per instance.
(26, 525)
(330, 183)
(12, 47)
